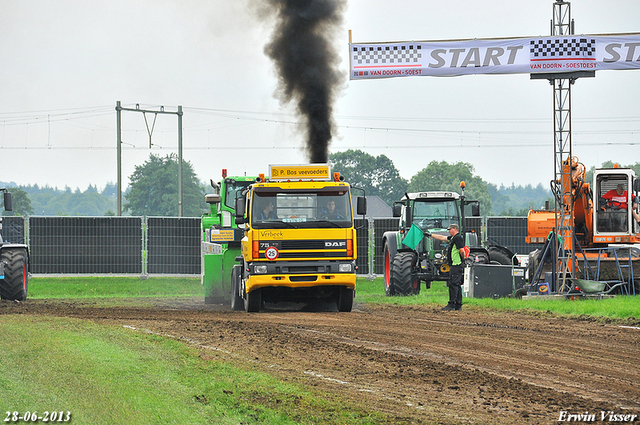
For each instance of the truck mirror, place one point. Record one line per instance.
(239, 207)
(361, 205)
(212, 198)
(636, 185)
(397, 210)
(475, 210)
(8, 201)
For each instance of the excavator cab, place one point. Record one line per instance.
(614, 190)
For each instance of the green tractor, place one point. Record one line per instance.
(410, 258)
(14, 264)
(221, 238)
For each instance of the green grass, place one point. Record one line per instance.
(108, 375)
(368, 291)
(621, 307)
(114, 287)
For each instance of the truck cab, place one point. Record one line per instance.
(299, 240)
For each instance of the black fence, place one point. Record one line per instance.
(510, 232)
(85, 245)
(171, 245)
(362, 239)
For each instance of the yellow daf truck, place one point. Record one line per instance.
(299, 241)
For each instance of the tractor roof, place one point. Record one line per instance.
(433, 195)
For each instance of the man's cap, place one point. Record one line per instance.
(620, 186)
(453, 226)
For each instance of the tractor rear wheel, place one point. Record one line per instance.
(402, 276)
(499, 257)
(15, 284)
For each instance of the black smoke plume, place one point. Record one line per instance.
(307, 65)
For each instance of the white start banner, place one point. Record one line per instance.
(495, 56)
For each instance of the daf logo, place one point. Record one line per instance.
(335, 244)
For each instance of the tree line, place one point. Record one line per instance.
(153, 188)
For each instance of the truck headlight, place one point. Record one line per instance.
(260, 269)
(344, 268)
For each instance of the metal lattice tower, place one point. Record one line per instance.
(564, 264)
(563, 154)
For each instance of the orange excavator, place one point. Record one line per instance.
(604, 216)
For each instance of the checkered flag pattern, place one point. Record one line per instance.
(408, 54)
(576, 48)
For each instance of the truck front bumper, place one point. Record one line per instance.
(301, 274)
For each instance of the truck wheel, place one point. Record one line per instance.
(499, 257)
(345, 299)
(15, 284)
(253, 301)
(402, 277)
(389, 290)
(237, 303)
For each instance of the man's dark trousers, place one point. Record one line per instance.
(455, 286)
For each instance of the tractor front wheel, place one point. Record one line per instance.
(402, 276)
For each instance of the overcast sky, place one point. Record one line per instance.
(64, 64)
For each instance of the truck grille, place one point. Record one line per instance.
(302, 245)
(294, 249)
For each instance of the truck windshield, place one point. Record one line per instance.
(301, 210)
(435, 214)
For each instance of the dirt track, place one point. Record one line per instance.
(418, 364)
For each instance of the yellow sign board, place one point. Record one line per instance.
(219, 235)
(300, 172)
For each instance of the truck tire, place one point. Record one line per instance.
(499, 257)
(345, 299)
(253, 301)
(389, 290)
(402, 277)
(15, 284)
(237, 303)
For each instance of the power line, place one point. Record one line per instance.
(470, 144)
(27, 117)
(469, 138)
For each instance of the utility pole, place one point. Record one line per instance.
(119, 110)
